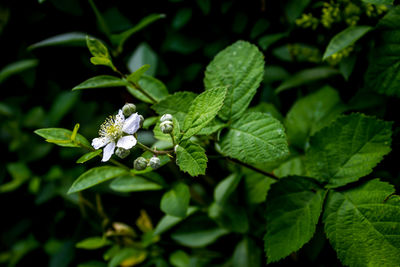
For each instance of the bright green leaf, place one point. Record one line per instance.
(179, 259)
(169, 221)
(137, 74)
(130, 183)
(363, 224)
(177, 105)
(191, 158)
(203, 110)
(95, 176)
(175, 202)
(291, 167)
(294, 205)
(255, 138)
(214, 126)
(154, 87)
(62, 137)
(348, 149)
(101, 81)
(97, 48)
(345, 38)
(89, 156)
(133, 256)
(307, 76)
(240, 67)
(309, 114)
(93, 243)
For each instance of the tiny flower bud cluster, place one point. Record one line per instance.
(166, 125)
(141, 163)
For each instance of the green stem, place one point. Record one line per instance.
(102, 23)
(155, 152)
(269, 174)
(137, 87)
(173, 138)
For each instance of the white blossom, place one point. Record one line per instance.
(117, 131)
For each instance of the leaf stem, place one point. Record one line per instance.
(269, 174)
(155, 152)
(137, 87)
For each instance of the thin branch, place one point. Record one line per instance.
(155, 152)
(269, 174)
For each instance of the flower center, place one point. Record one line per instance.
(111, 128)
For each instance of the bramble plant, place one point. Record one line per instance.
(278, 186)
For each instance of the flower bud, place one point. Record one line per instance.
(122, 152)
(141, 118)
(154, 163)
(167, 127)
(128, 109)
(140, 163)
(166, 117)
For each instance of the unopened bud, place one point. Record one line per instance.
(154, 162)
(140, 163)
(141, 118)
(122, 152)
(128, 109)
(166, 117)
(167, 127)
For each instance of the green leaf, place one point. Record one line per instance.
(154, 87)
(383, 73)
(19, 172)
(293, 205)
(230, 216)
(198, 232)
(203, 110)
(362, 224)
(65, 39)
(101, 81)
(119, 39)
(179, 259)
(166, 137)
(256, 186)
(191, 158)
(137, 74)
(291, 167)
(240, 67)
(225, 188)
(143, 55)
(89, 156)
(267, 108)
(175, 202)
(97, 48)
(62, 137)
(379, 2)
(93, 243)
(177, 105)
(255, 138)
(17, 67)
(168, 221)
(247, 254)
(132, 255)
(128, 183)
(345, 38)
(348, 149)
(102, 61)
(214, 126)
(95, 176)
(266, 41)
(307, 76)
(311, 113)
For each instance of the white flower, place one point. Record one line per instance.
(117, 131)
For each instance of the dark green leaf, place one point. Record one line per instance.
(175, 202)
(247, 254)
(65, 39)
(128, 183)
(240, 67)
(154, 87)
(101, 81)
(168, 221)
(89, 156)
(143, 55)
(17, 67)
(348, 149)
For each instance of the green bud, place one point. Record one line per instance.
(140, 163)
(121, 152)
(154, 163)
(167, 127)
(128, 109)
(141, 120)
(166, 117)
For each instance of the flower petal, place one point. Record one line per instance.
(126, 142)
(131, 124)
(108, 151)
(100, 142)
(119, 118)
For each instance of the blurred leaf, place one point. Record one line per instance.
(128, 183)
(247, 254)
(267, 108)
(203, 110)
(294, 8)
(96, 47)
(256, 186)
(119, 39)
(92, 264)
(175, 202)
(311, 113)
(179, 259)
(102, 24)
(177, 105)
(294, 205)
(259, 27)
(152, 86)
(346, 66)
(61, 106)
(150, 121)
(19, 172)
(348, 149)
(225, 188)
(93, 243)
(95, 176)
(128, 257)
(169, 221)
(17, 67)
(306, 76)
(240, 67)
(191, 158)
(230, 216)
(181, 18)
(379, 2)
(255, 138)
(205, 6)
(266, 41)
(292, 167)
(101, 81)
(61, 137)
(135, 76)
(65, 39)
(143, 55)
(345, 38)
(89, 156)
